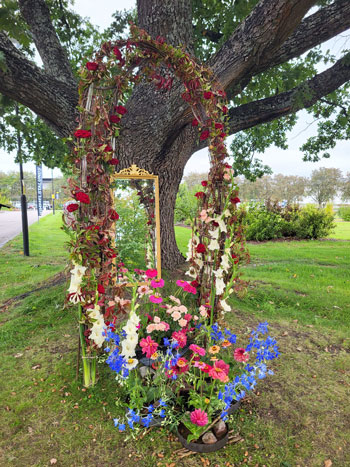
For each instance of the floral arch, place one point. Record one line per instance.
(217, 246)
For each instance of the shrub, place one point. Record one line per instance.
(5, 200)
(262, 224)
(344, 213)
(313, 222)
(272, 221)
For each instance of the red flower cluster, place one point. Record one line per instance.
(199, 194)
(82, 134)
(72, 207)
(114, 119)
(235, 200)
(195, 122)
(101, 289)
(201, 248)
(204, 183)
(120, 109)
(208, 95)
(204, 135)
(113, 215)
(92, 66)
(82, 197)
(113, 161)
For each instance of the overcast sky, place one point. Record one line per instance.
(287, 162)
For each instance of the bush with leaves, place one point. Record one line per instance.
(344, 213)
(314, 223)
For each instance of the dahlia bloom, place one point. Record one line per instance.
(199, 417)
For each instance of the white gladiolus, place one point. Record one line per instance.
(220, 286)
(218, 273)
(225, 306)
(225, 263)
(222, 224)
(215, 233)
(213, 245)
(77, 274)
(227, 213)
(128, 349)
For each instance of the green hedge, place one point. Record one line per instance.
(344, 213)
(270, 222)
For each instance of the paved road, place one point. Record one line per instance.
(11, 223)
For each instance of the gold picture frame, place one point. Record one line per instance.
(136, 173)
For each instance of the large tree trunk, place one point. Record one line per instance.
(157, 134)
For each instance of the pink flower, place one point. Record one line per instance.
(198, 350)
(240, 355)
(180, 337)
(189, 288)
(156, 283)
(200, 365)
(150, 273)
(144, 289)
(165, 325)
(182, 322)
(174, 299)
(220, 371)
(156, 319)
(182, 309)
(199, 417)
(149, 346)
(155, 299)
(150, 328)
(188, 317)
(181, 283)
(176, 315)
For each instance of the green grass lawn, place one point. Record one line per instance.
(299, 416)
(48, 256)
(341, 231)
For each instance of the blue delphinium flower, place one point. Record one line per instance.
(162, 403)
(150, 408)
(230, 336)
(147, 420)
(166, 341)
(162, 413)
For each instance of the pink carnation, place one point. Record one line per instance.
(198, 350)
(182, 322)
(240, 355)
(155, 299)
(199, 417)
(156, 283)
(150, 328)
(189, 288)
(150, 273)
(149, 346)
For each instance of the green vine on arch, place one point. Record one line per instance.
(217, 244)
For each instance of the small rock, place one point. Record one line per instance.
(145, 370)
(209, 438)
(220, 429)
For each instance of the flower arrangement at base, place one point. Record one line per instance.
(195, 389)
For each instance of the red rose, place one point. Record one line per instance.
(235, 200)
(204, 183)
(228, 166)
(204, 135)
(114, 119)
(82, 134)
(120, 109)
(72, 207)
(224, 109)
(199, 194)
(201, 248)
(222, 135)
(92, 66)
(117, 53)
(222, 93)
(108, 148)
(100, 289)
(113, 214)
(195, 122)
(113, 161)
(82, 197)
(195, 284)
(208, 95)
(219, 126)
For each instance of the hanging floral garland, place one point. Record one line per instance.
(216, 245)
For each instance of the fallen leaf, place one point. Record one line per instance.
(53, 461)
(18, 355)
(36, 367)
(328, 463)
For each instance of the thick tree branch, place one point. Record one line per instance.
(53, 100)
(37, 15)
(269, 24)
(313, 30)
(301, 97)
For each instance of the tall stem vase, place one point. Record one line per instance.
(89, 360)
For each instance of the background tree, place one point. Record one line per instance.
(324, 184)
(254, 49)
(289, 188)
(345, 188)
(194, 179)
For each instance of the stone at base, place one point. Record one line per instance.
(220, 429)
(209, 438)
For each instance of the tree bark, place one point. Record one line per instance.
(156, 133)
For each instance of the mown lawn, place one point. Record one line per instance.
(300, 416)
(341, 231)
